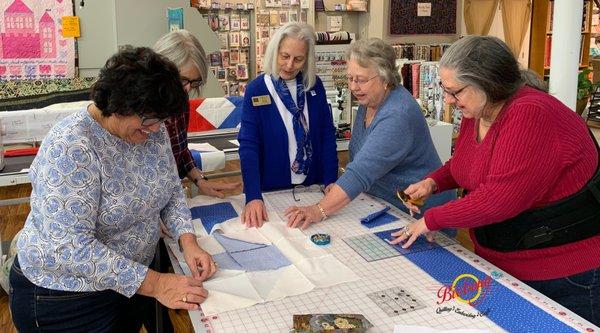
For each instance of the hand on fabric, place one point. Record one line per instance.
(179, 291)
(199, 261)
(173, 291)
(411, 232)
(254, 214)
(420, 190)
(302, 216)
(215, 189)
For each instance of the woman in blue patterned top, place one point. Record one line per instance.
(103, 180)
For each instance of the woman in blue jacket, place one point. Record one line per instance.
(287, 135)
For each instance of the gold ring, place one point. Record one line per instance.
(407, 233)
(184, 299)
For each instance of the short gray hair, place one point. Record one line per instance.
(376, 52)
(303, 32)
(487, 63)
(181, 47)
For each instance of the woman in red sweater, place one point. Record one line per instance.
(529, 166)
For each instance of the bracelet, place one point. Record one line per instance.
(323, 215)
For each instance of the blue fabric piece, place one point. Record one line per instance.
(396, 150)
(197, 158)
(421, 244)
(300, 126)
(226, 261)
(249, 256)
(264, 156)
(367, 219)
(378, 218)
(382, 219)
(261, 259)
(503, 306)
(213, 214)
(232, 245)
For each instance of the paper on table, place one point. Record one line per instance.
(424, 329)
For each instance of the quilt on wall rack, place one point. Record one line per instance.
(31, 41)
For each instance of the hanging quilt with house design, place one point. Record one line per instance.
(31, 42)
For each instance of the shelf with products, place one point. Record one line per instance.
(231, 64)
(541, 35)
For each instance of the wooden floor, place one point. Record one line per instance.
(13, 217)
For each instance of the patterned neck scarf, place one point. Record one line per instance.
(304, 151)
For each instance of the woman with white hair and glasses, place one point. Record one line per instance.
(530, 168)
(186, 52)
(287, 135)
(390, 147)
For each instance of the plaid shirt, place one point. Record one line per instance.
(177, 128)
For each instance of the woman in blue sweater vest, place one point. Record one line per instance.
(390, 146)
(287, 135)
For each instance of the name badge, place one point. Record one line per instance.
(313, 93)
(261, 100)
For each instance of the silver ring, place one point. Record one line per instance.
(184, 299)
(407, 233)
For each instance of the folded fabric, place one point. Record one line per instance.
(378, 218)
(210, 215)
(235, 245)
(226, 261)
(249, 256)
(207, 157)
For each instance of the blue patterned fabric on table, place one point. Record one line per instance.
(500, 304)
(210, 215)
(421, 244)
(378, 218)
(242, 255)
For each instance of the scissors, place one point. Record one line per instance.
(405, 198)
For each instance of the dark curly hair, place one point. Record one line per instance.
(138, 81)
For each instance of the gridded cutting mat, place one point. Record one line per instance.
(376, 247)
(376, 276)
(371, 247)
(396, 301)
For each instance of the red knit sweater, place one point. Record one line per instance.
(536, 152)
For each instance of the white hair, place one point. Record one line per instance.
(303, 32)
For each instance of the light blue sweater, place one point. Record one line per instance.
(395, 151)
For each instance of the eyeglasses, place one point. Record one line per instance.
(359, 81)
(298, 190)
(193, 83)
(149, 121)
(453, 94)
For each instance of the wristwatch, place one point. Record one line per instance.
(197, 179)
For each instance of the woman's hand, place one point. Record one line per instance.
(302, 216)
(421, 190)
(199, 261)
(215, 189)
(411, 232)
(254, 214)
(174, 291)
(328, 188)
